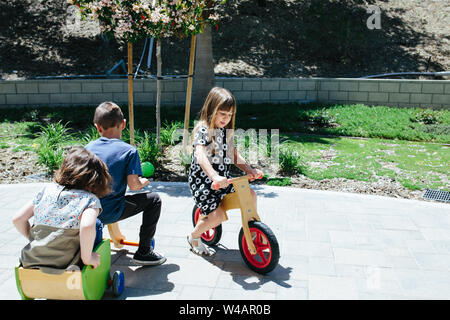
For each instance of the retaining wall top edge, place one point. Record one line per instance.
(230, 79)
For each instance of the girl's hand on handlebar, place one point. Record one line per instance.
(255, 174)
(219, 182)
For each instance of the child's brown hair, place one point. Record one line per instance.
(217, 99)
(81, 169)
(108, 115)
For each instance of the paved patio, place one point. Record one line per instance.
(333, 246)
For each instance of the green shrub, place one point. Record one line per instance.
(148, 147)
(289, 160)
(50, 156)
(50, 148)
(427, 116)
(186, 158)
(168, 131)
(54, 133)
(90, 135)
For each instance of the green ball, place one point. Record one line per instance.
(147, 169)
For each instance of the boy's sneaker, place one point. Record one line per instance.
(151, 258)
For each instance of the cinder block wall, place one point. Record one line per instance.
(397, 93)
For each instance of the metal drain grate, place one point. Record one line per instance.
(437, 195)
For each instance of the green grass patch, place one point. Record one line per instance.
(416, 165)
(413, 124)
(279, 182)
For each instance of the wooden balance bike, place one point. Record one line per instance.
(257, 243)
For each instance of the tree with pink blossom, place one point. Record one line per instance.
(134, 20)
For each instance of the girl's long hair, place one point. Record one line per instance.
(217, 99)
(83, 170)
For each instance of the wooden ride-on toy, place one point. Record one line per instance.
(84, 284)
(257, 243)
(119, 240)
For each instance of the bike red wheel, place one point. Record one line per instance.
(212, 236)
(267, 249)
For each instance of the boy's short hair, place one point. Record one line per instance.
(108, 115)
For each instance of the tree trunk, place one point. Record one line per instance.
(130, 92)
(204, 78)
(158, 92)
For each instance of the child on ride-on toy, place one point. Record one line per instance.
(213, 153)
(65, 214)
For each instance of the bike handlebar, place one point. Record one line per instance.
(215, 185)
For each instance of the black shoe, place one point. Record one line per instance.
(151, 258)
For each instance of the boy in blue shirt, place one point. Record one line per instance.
(124, 165)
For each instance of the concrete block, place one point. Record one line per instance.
(329, 85)
(348, 86)
(179, 97)
(311, 95)
(338, 95)
(82, 98)
(100, 97)
(114, 87)
(378, 96)
(121, 97)
(358, 96)
(411, 87)
(279, 95)
(138, 86)
(270, 85)
(150, 86)
(91, 87)
(27, 87)
(59, 98)
(433, 88)
(370, 86)
(49, 87)
(260, 95)
(251, 85)
(307, 85)
(233, 86)
(2, 99)
(39, 99)
(174, 85)
(420, 98)
(20, 99)
(6, 87)
(145, 97)
(70, 87)
(447, 89)
(298, 95)
(291, 85)
(441, 98)
(243, 95)
(398, 97)
(166, 97)
(389, 87)
(322, 95)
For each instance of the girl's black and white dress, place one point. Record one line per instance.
(206, 198)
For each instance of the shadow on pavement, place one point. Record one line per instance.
(230, 260)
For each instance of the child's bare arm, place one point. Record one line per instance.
(20, 219)
(136, 183)
(87, 237)
(202, 159)
(242, 164)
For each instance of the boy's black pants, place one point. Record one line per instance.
(150, 206)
